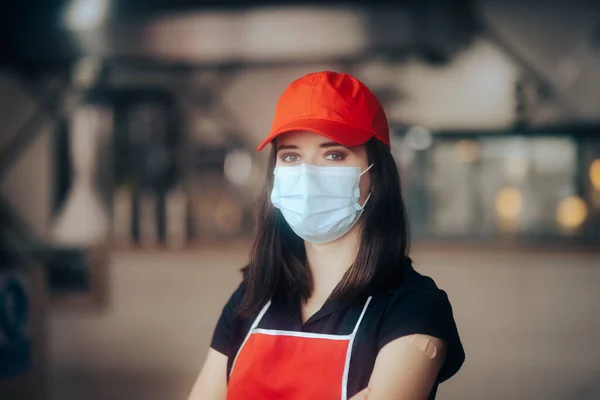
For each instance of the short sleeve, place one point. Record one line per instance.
(428, 313)
(224, 334)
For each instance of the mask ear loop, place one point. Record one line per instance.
(365, 203)
(365, 171)
(369, 196)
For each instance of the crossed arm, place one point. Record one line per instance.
(405, 369)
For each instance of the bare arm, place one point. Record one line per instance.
(212, 381)
(406, 368)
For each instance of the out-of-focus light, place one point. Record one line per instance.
(509, 203)
(595, 174)
(238, 166)
(419, 138)
(467, 151)
(86, 14)
(571, 212)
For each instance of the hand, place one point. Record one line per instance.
(362, 395)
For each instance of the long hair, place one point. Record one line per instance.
(277, 266)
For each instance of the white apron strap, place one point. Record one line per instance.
(349, 351)
(362, 314)
(257, 320)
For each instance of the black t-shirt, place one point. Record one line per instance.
(417, 305)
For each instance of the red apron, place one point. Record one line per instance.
(288, 365)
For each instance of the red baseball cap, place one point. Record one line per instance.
(335, 105)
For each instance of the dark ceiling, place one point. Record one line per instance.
(36, 36)
(43, 14)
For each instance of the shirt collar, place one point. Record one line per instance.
(391, 284)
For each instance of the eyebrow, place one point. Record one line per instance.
(286, 147)
(322, 145)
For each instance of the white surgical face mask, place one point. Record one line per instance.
(319, 203)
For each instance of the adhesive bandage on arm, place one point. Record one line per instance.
(424, 344)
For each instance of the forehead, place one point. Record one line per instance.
(302, 138)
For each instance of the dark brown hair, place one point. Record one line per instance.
(278, 267)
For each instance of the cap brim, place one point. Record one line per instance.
(343, 134)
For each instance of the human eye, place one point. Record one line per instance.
(289, 157)
(335, 156)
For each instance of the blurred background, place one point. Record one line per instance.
(128, 179)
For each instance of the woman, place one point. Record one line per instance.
(330, 306)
